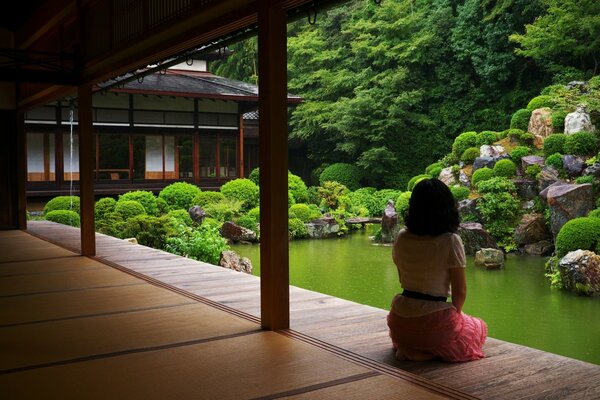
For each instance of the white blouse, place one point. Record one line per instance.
(423, 264)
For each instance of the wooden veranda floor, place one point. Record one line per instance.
(351, 331)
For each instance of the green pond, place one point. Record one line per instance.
(517, 302)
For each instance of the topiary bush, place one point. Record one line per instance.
(297, 229)
(255, 176)
(149, 230)
(111, 224)
(104, 206)
(402, 203)
(62, 203)
(129, 208)
(434, 169)
(520, 119)
(243, 190)
(179, 195)
(487, 137)
(579, 233)
(594, 213)
(554, 143)
(302, 212)
(505, 168)
(540, 102)
(555, 161)
(469, 155)
(347, 174)
(205, 198)
(462, 142)
(162, 205)
(518, 153)
(298, 188)
(181, 216)
(65, 217)
(480, 175)
(145, 198)
(414, 180)
(527, 138)
(581, 143)
(460, 192)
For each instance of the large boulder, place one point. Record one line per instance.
(493, 151)
(531, 229)
(578, 121)
(231, 260)
(527, 189)
(567, 202)
(323, 228)
(542, 248)
(447, 176)
(540, 124)
(481, 162)
(593, 170)
(573, 165)
(389, 223)
(531, 160)
(548, 175)
(474, 237)
(544, 192)
(489, 258)
(235, 233)
(464, 179)
(467, 208)
(580, 272)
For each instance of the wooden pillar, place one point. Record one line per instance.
(22, 172)
(86, 171)
(241, 148)
(13, 163)
(272, 84)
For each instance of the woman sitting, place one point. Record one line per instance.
(430, 258)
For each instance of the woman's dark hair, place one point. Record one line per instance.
(432, 209)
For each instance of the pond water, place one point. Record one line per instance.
(517, 302)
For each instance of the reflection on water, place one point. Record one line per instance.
(516, 302)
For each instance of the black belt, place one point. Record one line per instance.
(423, 296)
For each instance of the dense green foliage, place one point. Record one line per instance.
(204, 243)
(554, 143)
(581, 143)
(65, 217)
(346, 174)
(414, 180)
(519, 152)
(469, 155)
(205, 198)
(149, 230)
(303, 212)
(579, 233)
(533, 171)
(540, 102)
(145, 198)
(63, 203)
(555, 160)
(298, 188)
(500, 209)
(181, 216)
(363, 197)
(104, 206)
(330, 193)
(460, 192)
(520, 119)
(243, 190)
(463, 142)
(297, 229)
(505, 168)
(480, 175)
(129, 208)
(179, 195)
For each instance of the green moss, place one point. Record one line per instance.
(555, 160)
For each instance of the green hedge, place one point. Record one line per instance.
(104, 206)
(179, 195)
(554, 143)
(347, 174)
(63, 203)
(129, 208)
(203, 199)
(579, 233)
(145, 198)
(520, 119)
(65, 217)
(243, 190)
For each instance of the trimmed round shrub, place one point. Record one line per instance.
(414, 180)
(65, 217)
(554, 143)
(579, 233)
(181, 216)
(347, 174)
(540, 102)
(162, 205)
(145, 198)
(469, 155)
(431, 168)
(205, 198)
(581, 143)
(149, 230)
(248, 222)
(558, 120)
(518, 153)
(297, 229)
(302, 212)
(515, 134)
(104, 206)
(487, 137)
(179, 195)
(462, 142)
(533, 171)
(363, 197)
(594, 213)
(62, 203)
(254, 213)
(505, 168)
(480, 175)
(555, 161)
(460, 192)
(255, 176)
(402, 203)
(520, 119)
(527, 138)
(111, 224)
(243, 190)
(129, 209)
(298, 188)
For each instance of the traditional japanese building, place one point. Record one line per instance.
(178, 124)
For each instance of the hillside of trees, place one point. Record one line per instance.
(388, 87)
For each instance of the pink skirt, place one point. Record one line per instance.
(444, 334)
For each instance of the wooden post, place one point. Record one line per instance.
(86, 176)
(241, 148)
(272, 83)
(22, 171)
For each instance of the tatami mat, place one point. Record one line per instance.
(49, 266)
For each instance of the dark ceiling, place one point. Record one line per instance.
(19, 12)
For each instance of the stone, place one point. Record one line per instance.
(531, 229)
(231, 260)
(197, 214)
(389, 223)
(467, 208)
(581, 85)
(567, 202)
(464, 179)
(131, 240)
(531, 160)
(573, 165)
(580, 272)
(578, 121)
(235, 233)
(543, 248)
(447, 176)
(474, 237)
(481, 162)
(323, 228)
(493, 151)
(540, 124)
(489, 258)
(527, 189)
(548, 176)
(544, 193)
(593, 170)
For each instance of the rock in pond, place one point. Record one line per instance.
(474, 237)
(236, 233)
(389, 223)
(580, 272)
(489, 258)
(231, 260)
(532, 229)
(322, 228)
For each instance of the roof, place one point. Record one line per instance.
(195, 84)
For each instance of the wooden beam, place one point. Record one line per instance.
(86, 171)
(241, 149)
(272, 83)
(22, 171)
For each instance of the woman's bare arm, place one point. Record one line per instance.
(458, 283)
